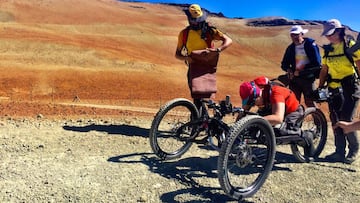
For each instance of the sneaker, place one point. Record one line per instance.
(350, 158)
(335, 157)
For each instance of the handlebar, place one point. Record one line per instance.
(225, 107)
(324, 95)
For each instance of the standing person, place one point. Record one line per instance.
(302, 62)
(196, 47)
(338, 70)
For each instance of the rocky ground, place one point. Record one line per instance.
(110, 160)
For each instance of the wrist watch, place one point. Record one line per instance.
(218, 49)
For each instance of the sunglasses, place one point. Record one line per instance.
(250, 101)
(331, 34)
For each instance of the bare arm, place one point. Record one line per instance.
(277, 116)
(226, 42)
(179, 56)
(357, 63)
(348, 126)
(323, 75)
(240, 115)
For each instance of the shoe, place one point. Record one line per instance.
(350, 158)
(335, 157)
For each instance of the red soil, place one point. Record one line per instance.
(114, 53)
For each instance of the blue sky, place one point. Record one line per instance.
(345, 11)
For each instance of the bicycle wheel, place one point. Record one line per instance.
(246, 157)
(315, 123)
(172, 127)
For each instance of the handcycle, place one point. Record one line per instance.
(246, 148)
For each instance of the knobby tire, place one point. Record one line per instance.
(246, 157)
(314, 121)
(170, 128)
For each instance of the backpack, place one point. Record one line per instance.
(206, 34)
(348, 51)
(352, 82)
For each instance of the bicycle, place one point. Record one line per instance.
(247, 156)
(179, 123)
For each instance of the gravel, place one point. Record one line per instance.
(110, 160)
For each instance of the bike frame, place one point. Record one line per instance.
(207, 123)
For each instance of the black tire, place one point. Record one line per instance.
(170, 128)
(246, 157)
(314, 122)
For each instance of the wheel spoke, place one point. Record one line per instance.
(314, 124)
(247, 157)
(171, 129)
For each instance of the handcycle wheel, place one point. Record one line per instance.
(314, 122)
(171, 127)
(246, 157)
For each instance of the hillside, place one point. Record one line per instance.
(58, 54)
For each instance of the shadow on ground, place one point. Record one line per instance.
(283, 158)
(187, 171)
(127, 130)
(190, 172)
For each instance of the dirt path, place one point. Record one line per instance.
(114, 107)
(110, 160)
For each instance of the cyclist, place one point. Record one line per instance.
(277, 104)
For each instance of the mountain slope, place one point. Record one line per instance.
(106, 51)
